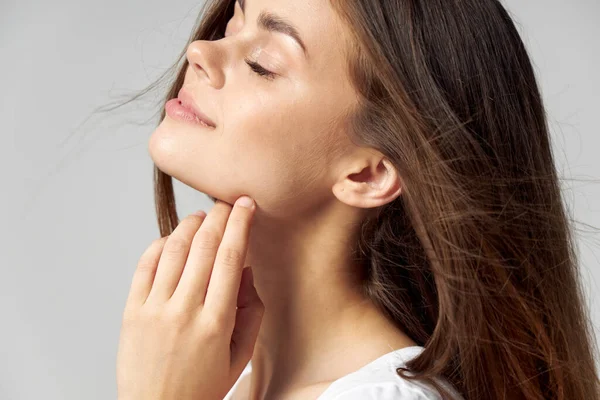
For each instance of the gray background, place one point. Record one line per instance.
(77, 206)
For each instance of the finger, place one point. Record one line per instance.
(248, 319)
(222, 293)
(173, 258)
(144, 274)
(191, 289)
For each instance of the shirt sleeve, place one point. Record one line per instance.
(387, 391)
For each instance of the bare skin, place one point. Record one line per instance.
(282, 142)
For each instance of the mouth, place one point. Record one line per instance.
(187, 101)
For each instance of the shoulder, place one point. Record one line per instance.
(391, 390)
(379, 380)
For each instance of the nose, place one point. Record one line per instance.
(206, 60)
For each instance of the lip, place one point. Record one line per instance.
(188, 101)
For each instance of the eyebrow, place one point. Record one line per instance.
(274, 23)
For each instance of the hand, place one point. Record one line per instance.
(182, 336)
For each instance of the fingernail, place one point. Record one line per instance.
(200, 213)
(244, 201)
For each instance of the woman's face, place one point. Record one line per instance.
(277, 138)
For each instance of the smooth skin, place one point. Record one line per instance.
(192, 315)
(284, 142)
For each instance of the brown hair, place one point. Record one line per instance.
(476, 259)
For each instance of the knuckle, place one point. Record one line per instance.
(147, 260)
(176, 317)
(163, 317)
(214, 325)
(146, 265)
(159, 242)
(176, 246)
(151, 314)
(232, 257)
(141, 317)
(206, 240)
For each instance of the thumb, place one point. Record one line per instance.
(247, 323)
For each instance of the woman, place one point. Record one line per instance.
(408, 237)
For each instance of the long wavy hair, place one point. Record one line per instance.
(476, 259)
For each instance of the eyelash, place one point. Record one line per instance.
(257, 68)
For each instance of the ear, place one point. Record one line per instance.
(369, 183)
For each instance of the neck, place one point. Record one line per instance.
(317, 325)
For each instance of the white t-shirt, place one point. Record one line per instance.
(377, 380)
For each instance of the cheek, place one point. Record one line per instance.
(280, 152)
(267, 147)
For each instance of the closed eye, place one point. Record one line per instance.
(260, 70)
